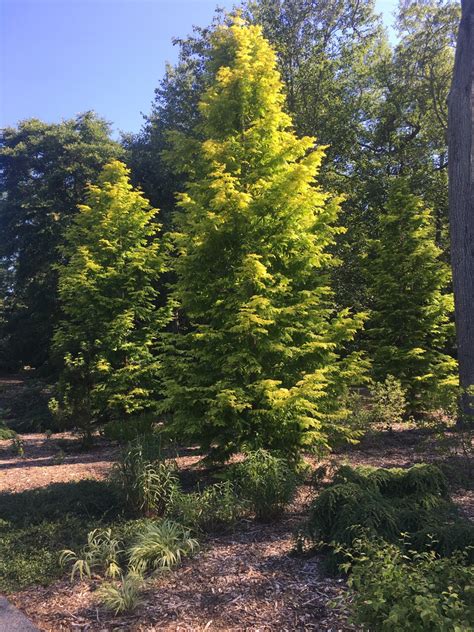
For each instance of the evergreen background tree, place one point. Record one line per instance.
(260, 363)
(44, 170)
(107, 293)
(410, 330)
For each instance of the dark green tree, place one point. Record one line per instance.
(410, 330)
(262, 363)
(44, 169)
(107, 289)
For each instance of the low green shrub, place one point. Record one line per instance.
(129, 430)
(398, 589)
(215, 508)
(122, 596)
(388, 502)
(147, 482)
(6, 432)
(29, 554)
(266, 481)
(161, 546)
(388, 404)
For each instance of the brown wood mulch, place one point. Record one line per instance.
(248, 580)
(58, 459)
(245, 581)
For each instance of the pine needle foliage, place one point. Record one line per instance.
(261, 363)
(411, 325)
(107, 290)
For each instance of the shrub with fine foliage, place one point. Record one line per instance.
(388, 502)
(266, 481)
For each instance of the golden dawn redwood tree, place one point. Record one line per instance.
(411, 329)
(107, 290)
(261, 362)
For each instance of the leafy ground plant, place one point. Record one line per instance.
(36, 524)
(161, 546)
(266, 481)
(101, 553)
(216, 507)
(396, 588)
(122, 596)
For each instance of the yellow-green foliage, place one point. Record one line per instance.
(411, 323)
(122, 596)
(161, 546)
(261, 363)
(107, 291)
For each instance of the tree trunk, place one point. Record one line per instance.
(461, 199)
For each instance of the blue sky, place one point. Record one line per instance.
(62, 57)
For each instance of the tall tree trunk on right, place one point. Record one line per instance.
(461, 197)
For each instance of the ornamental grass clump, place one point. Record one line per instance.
(161, 546)
(122, 596)
(215, 508)
(147, 481)
(101, 554)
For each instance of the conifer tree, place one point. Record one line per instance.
(260, 363)
(410, 329)
(106, 339)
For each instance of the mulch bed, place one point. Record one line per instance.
(248, 580)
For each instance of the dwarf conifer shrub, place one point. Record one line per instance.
(6, 432)
(388, 401)
(266, 481)
(386, 503)
(396, 588)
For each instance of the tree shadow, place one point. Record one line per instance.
(83, 499)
